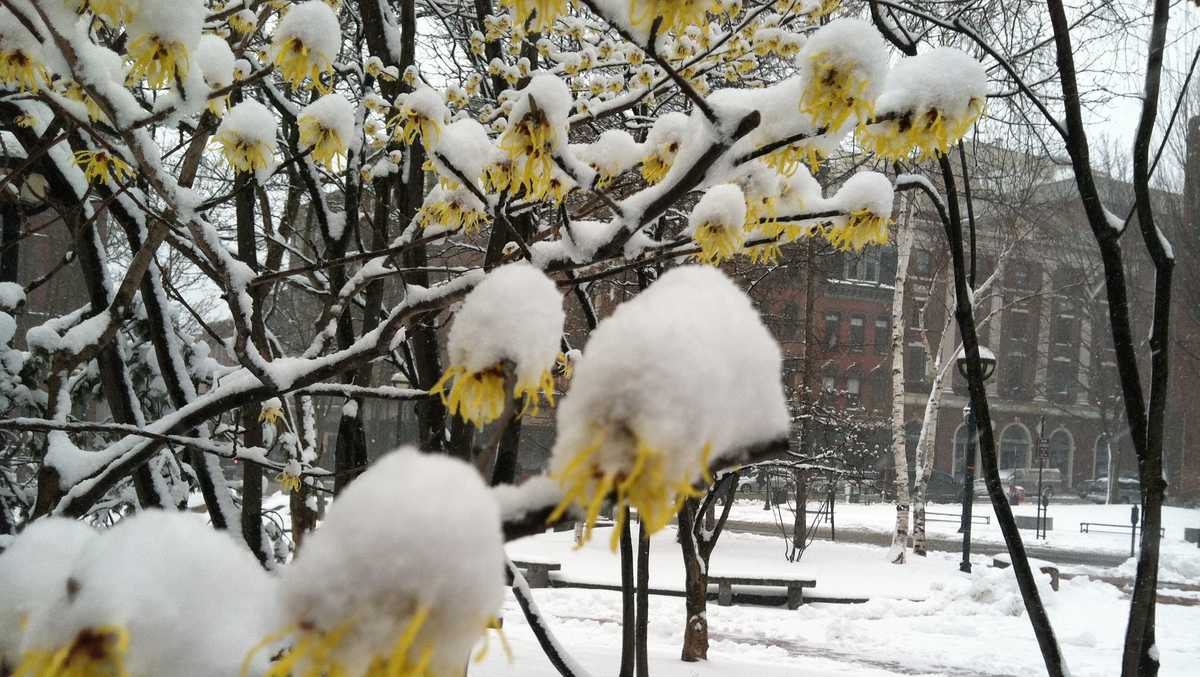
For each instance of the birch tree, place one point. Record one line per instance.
(904, 244)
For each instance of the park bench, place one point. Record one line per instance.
(537, 573)
(795, 587)
(1051, 570)
(1091, 527)
(956, 517)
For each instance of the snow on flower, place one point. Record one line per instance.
(216, 62)
(420, 111)
(452, 209)
(683, 374)
(932, 100)
(21, 61)
(536, 129)
(465, 146)
(247, 136)
(305, 44)
(717, 223)
(120, 614)
(326, 126)
(613, 152)
(843, 66)
(396, 581)
(677, 15)
(33, 574)
(100, 166)
(162, 35)
(514, 316)
(867, 198)
(663, 142)
(546, 12)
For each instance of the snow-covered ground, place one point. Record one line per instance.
(1180, 560)
(923, 618)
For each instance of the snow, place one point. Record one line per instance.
(8, 327)
(612, 153)
(134, 577)
(722, 206)
(33, 573)
(465, 146)
(943, 79)
(853, 50)
(392, 544)
(171, 20)
(216, 60)
(314, 25)
(871, 191)
(514, 314)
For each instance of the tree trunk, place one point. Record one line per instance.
(628, 605)
(925, 453)
(800, 523)
(695, 629)
(643, 601)
(904, 241)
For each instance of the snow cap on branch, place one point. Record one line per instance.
(515, 315)
(843, 66)
(397, 579)
(867, 199)
(683, 374)
(716, 223)
(247, 137)
(163, 34)
(305, 43)
(121, 612)
(327, 126)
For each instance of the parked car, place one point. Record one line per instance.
(1052, 481)
(1129, 490)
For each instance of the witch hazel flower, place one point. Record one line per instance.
(867, 198)
(675, 379)
(717, 223)
(247, 136)
(162, 35)
(536, 130)
(305, 44)
(930, 101)
(662, 145)
(21, 64)
(119, 612)
(395, 582)
(326, 126)
(514, 317)
(420, 112)
(843, 66)
(453, 209)
(676, 15)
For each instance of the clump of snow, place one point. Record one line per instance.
(514, 314)
(135, 576)
(944, 79)
(392, 545)
(552, 98)
(723, 206)
(466, 146)
(33, 575)
(871, 191)
(612, 153)
(314, 25)
(216, 61)
(848, 52)
(685, 365)
(179, 21)
(332, 112)
(12, 296)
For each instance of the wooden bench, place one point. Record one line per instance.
(1051, 570)
(795, 587)
(537, 573)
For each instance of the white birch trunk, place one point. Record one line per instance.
(925, 455)
(904, 241)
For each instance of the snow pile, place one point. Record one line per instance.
(398, 570)
(33, 574)
(127, 585)
(612, 153)
(12, 296)
(215, 59)
(465, 145)
(420, 111)
(683, 374)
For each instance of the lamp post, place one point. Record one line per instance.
(987, 360)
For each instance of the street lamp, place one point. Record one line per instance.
(987, 360)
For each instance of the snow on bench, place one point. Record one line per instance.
(537, 572)
(795, 587)
(1048, 568)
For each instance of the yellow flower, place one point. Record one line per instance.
(547, 12)
(159, 61)
(112, 11)
(497, 176)
(409, 124)
(658, 162)
(717, 241)
(452, 212)
(931, 132)
(27, 121)
(20, 70)
(563, 365)
(296, 61)
(834, 92)
(788, 159)
(329, 148)
(244, 22)
(676, 15)
(288, 482)
(534, 392)
(270, 415)
(478, 397)
(242, 153)
(529, 144)
(94, 651)
(862, 228)
(100, 165)
(642, 483)
(767, 253)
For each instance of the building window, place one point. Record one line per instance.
(1020, 277)
(916, 312)
(863, 267)
(853, 385)
(1100, 462)
(914, 365)
(1014, 447)
(858, 333)
(1061, 447)
(883, 334)
(1062, 332)
(833, 326)
(1060, 377)
(922, 263)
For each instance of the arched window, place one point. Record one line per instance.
(1062, 448)
(854, 381)
(1014, 447)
